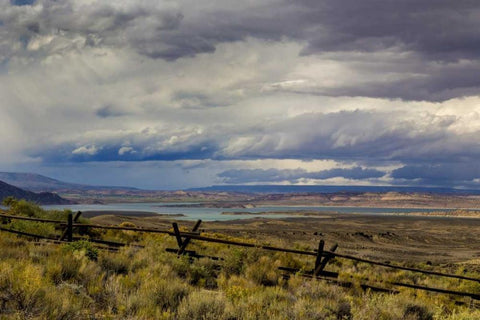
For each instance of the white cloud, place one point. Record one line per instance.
(125, 150)
(89, 150)
(151, 80)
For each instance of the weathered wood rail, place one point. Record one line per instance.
(183, 239)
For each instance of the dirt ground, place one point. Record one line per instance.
(383, 238)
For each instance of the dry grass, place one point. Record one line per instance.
(76, 281)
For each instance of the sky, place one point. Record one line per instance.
(189, 93)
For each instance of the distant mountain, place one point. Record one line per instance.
(36, 182)
(7, 190)
(328, 189)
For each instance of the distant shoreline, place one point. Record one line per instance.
(96, 213)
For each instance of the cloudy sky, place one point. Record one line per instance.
(176, 94)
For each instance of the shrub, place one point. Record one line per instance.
(65, 267)
(115, 262)
(167, 294)
(264, 271)
(25, 208)
(202, 305)
(233, 261)
(21, 288)
(37, 228)
(416, 312)
(75, 281)
(82, 246)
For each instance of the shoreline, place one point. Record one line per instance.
(469, 214)
(127, 213)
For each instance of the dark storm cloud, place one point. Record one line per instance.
(440, 30)
(358, 135)
(107, 153)
(108, 111)
(239, 176)
(447, 173)
(431, 82)
(443, 29)
(246, 80)
(443, 171)
(346, 135)
(136, 146)
(436, 35)
(95, 25)
(22, 2)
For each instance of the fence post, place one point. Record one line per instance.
(75, 219)
(177, 234)
(327, 258)
(70, 227)
(318, 261)
(186, 241)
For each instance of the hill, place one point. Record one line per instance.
(283, 189)
(36, 182)
(7, 190)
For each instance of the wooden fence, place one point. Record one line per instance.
(183, 239)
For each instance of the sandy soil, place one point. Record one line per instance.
(383, 238)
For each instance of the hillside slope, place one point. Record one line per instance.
(36, 182)
(7, 190)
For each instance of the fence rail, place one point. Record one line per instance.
(31, 219)
(184, 238)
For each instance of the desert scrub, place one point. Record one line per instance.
(203, 273)
(73, 267)
(264, 271)
(12, 247)
(233, 263)
(114, 262)
(146, 297)
(84, 247)
(125, 236)
(65, 268)
(21, 288)
(197, 272)
(28, 209)
(67, 302)
(203, 305)
(388, 306)
(263, 303)
(38, 228)
(65, 282)
(163, 294)
(315, 290)
(25, 293)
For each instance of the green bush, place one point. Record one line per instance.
(82, 246)
(32, 227)
(28, 209)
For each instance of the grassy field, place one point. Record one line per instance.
(39, 280)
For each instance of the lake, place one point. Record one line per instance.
(211, 214)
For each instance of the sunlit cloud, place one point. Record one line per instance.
(294, 93)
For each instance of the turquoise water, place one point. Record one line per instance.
(211, 214)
